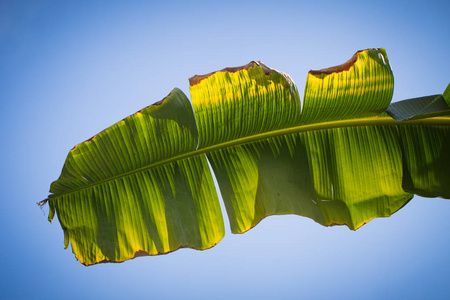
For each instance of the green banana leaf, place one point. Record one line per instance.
(344, 156)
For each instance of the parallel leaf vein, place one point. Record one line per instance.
(374, 121)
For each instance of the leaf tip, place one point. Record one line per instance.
(379, 52)
(43, 202)
(337, 69)
(196, 79)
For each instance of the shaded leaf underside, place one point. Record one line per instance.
(143, 186)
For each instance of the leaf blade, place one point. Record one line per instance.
(418, 108)
(345, 167)
(243, 101)
(113, 204)
(361, 87)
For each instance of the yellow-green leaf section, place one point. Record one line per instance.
(159, 131)
(333, 171)
(327, 175)
(243, 101)
(426, 151)
(113, 207)
(361, 87)
(143, 186)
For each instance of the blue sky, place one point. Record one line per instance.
(70, 69)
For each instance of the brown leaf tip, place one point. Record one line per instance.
(157, 103)
(43, 202)
(339, 68)
(196, 79)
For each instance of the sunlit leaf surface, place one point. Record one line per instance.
(344, 156)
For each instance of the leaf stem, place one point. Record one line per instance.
(374, 121)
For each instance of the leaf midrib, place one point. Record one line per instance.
(270, 134)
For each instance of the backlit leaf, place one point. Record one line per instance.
(345, 156)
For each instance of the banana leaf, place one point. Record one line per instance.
(343, 156)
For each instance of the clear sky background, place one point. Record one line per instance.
(69, 69)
